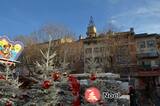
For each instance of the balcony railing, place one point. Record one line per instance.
(148, 68)
(146, 55)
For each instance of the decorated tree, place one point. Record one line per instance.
(53, 86)
(9, 87)
(46, 66)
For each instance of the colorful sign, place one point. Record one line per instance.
(92, 95)
(10, 50)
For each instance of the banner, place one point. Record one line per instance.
(10, 50)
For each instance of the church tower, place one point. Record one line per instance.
(91, 29)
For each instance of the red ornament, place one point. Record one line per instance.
(8, 103)
(2, 77)
(56, 76)
(46, 84)
(93, 77)
(92, 95)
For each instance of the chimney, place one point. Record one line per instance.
(132, 30)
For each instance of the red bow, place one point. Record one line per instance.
(74, 85)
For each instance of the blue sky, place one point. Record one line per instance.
(25, 16)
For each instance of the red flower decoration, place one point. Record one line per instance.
(8, 103)
(46, 84)
(93, 77)
(74, 85)
(2, 77)
(56, 76)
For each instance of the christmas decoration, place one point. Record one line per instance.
(65, 74)
(2, 77)
(9, 50)
(9, 85)
(56, 76)
(71, 78)
(92, 95)
(75, 88)
(76, 102)
(8, 103)
(74, 85)
(46, 84)
(93, 77)
(49, 95)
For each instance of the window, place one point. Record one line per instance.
(98, 59)
(88, 50)
(96, 49)
(150, 43)
(141, 44)
(107, 48)
(145, 63)
(102, 49)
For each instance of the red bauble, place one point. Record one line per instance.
(46, 84)
(2, 77)
(56, 76)
(93, 77)
(8, 103)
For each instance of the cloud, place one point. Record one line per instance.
(114, 1)
(152, 8)
(152, 28)
(144, 18)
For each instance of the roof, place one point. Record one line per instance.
(146, 35)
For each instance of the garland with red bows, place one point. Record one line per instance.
(75, 88)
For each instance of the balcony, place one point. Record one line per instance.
(148, 73)
(147, 55)
(147, 70)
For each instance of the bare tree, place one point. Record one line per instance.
(54, 30)
(26, 39)
(39, 40)
(70, 55)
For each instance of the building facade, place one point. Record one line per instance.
(129, 54)
(108, 51)
(148, 61)
(97, 52)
